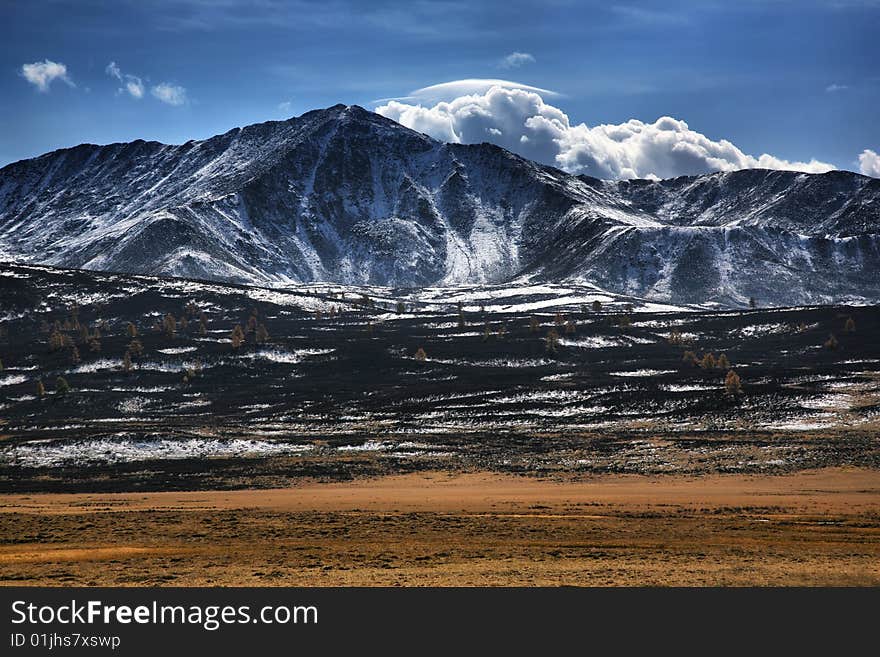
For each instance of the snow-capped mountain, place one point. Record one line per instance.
(345, 195)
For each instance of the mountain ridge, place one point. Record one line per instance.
(345, 195)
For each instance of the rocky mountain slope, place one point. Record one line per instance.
(345, 195)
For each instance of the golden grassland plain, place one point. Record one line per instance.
(819, 527)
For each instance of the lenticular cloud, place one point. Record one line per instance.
(519, 120)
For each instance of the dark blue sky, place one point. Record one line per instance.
(798, 80)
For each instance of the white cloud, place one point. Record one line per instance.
(169, 93)
(517, 59)
(869, 163)
(131, 84)
(42, 74)
(832, 88)
(519, 120)
(285, 106)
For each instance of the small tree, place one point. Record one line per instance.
(502, 330)
(203, 328)
(131, 330)
(534, 325)
(61, 386)
(597, 306)
(401, 307)
(487, 332)
(237, 336)
(732, 384)
(624, 321)
(570, 327)
(421, 356)
(559, 320)
(551, 342)
(723, 363)
(41, 389)
(850, 326)
(252, 322)
(689, 358)
(95, 345)
(831, 343)
(56, 340)
(1, 365)
(73, 355)
(184, 323)
(126, 362)
(752, 303)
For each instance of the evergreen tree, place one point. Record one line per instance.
(136, 348)
(61, 386)
(551, 342)
(597, 306)
(689, 358)
(41, 389)
(732, 383)
(401, 307)
(421, 356)
(723, 363)
(850, 326)
(262, 335)
(126, 362)
(708, 361)
(831, 343)
(237, 337)
(74, 355)
(169, 326)
(534, 325)
(570, 327)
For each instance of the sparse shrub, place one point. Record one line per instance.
(487, 332)
(850, 326)
(41, 389)
(203, 328)
(184, 323)
(319, 315)
(802, 327)
(597, 306)
(252, 323)
(421, 356)
(831, 343)
(689, 358)
(237, 336)
(559, 320)
(370, 328)
(723, 363)
(624, 321)
(534, 325)
(61, 386)
(502, 330)
(83, 334)
(570, 327)
(585, 309)
(95, 345)
(675, 338)
(708, 361)
(551, 342)
(732, 384)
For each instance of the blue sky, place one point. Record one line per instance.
(797, 80)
